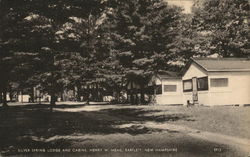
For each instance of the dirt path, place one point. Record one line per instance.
(239, 143)
(242, 144)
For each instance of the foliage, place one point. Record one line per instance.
(225, 24)
(99, 46)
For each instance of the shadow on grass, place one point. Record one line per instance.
(41, 106)
(131, 114)
(29, 126)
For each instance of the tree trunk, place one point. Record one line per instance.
(5, 98)
(78, 93)
(131, 98)
(1, 96)
(142, 96)
(39, 97)
(74, 94)
(53, 99)
(136, 99)
(11, 95)
(94, 96)
(100, 93)
(32, 96)
(21, 96)
(154, 96)
(88, 95)
(62, 99)
(118, 96)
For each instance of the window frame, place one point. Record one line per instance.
(170, 85)
(158, 89)
(226, 78)
(187, 90)
(205, 88)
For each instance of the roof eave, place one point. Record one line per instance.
(170, 77)
(204, 68)
(230, 70)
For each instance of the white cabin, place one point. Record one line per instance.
(223, 81)
(167, 88)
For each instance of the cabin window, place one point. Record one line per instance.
(187, 85)
(170, 88)
(219, 82)
(150, 90)
(158, 89)
(202, 83)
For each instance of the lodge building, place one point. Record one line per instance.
(207, 81)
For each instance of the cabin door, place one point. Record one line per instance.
(195, 90)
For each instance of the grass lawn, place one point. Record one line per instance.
(78, 126)
(228, 120)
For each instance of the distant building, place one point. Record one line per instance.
(223, 81)
(166, 88)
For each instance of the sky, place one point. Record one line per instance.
(186, 4)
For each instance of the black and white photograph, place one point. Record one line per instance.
(125, 78)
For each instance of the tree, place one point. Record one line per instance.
(225, 23)
(11, 35)
(49, 29)
(143, 33)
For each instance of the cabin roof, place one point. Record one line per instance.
(168, 74)
(223, 64)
